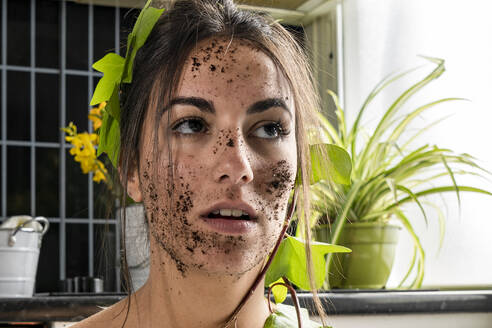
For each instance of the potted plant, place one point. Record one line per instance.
(389, 170)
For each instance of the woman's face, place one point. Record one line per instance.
(231, 132)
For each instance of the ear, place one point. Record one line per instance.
(133, 186)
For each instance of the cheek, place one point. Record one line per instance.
(274, 185)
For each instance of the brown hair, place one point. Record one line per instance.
(158, 68)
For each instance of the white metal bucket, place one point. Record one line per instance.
(19, 254)
(137, 244)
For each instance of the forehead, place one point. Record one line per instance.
(221, 68)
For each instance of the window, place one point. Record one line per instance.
(47, 81)
(382, 37)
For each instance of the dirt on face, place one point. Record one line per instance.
(203, 172)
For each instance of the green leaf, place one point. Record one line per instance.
(279, 291)
(377, 89)
(285, 316)
(290, 261)
(145, 23)
(342, 127)
(385, 122)
(113, 105)
(421, 260)
(112, 67)
(452, 178)
(338, 167)
(439, 190)
(328, 131)
(415, 200)
(109, 138)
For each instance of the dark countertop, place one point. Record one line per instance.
(66, 307)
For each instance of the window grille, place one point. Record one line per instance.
(47, 81)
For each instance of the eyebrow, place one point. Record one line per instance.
(208, 106)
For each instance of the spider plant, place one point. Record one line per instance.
(390, 170)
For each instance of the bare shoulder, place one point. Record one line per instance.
(111, 317)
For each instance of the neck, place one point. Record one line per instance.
(197, 299)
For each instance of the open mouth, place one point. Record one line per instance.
(229, 215)
(230, 221)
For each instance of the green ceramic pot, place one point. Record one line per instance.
(369, 265)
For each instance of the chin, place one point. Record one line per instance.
(226, 261)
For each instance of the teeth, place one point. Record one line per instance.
(237, 213)
(225, 212)
(229, 212)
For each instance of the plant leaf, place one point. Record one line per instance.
(451, 174)
(416, 200)
(384, 123)
(113, 105)
(442, 223)
(109, 138)
(342, 127)
(338, 168)
(144, 25)
(352, 137)
(329, 131)
(411, 116)
(408, 226)
(285, 316)
(279, 292)
(290, 261)
(410, 268)
(112, 67)
(439, 190)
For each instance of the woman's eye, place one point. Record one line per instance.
(269, 131)
(190, 126)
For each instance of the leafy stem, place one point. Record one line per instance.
(293, 294)
(261, 275)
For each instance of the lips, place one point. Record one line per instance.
(218, 218)
(221, 211)
(229, 214)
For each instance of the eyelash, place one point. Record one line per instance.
(188, 119)
(279, 126)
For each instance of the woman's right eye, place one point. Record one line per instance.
(190, 126)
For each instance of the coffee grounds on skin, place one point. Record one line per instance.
(175, 232)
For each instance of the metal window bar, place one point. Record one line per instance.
(39, 144)
(32, 144)
(62, 176)
(90, 193)
(48, 70)
(33, 107)
(4, 109)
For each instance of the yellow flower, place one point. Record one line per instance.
(95, 115)
(100, 172)
(71, 129)
(84, 151)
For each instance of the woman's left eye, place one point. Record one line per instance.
(272, 130)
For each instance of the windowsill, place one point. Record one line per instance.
(44, 308)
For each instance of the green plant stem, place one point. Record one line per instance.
(262, 273)
(293, 294)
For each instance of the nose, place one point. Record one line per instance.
(232, 164)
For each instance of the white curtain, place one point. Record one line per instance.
(384, 36)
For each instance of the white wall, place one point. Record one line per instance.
(384, 36)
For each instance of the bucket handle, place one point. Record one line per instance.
(40, 219)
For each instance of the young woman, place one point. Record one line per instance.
(213, 135)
